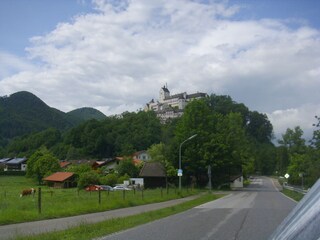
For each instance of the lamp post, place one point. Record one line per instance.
(180, 170)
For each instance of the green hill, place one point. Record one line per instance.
(86, 113)
(23, 113)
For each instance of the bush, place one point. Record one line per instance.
(123, 178)
(88, 178)
(111, 179)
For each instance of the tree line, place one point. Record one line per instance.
(230, 139)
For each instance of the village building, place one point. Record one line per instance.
(153, 174)
(3, 162)
(141, 155)
(16, 164)
(171, 106)
(61, 180)
(64, 164)
(236, 182)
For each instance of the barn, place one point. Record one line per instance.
(16, 164)
(153, 174)
(61, 180)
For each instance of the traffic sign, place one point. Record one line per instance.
(286, 175)
(179, 172)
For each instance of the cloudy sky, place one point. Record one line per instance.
(115, 55)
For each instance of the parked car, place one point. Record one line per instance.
(106, 187)
(93, 188)
(120, 188)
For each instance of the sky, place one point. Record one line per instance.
(116, 55)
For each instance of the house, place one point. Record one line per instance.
(112, 163)
(82, 161)
(153, 174)
(137, 182)
(98, 164)
(64, 164)
(3, 161)
(16, 164)
(141, 155)
(61, 180)
(236, 182)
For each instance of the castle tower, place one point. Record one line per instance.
(163, 94)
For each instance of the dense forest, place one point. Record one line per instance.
(230, 138)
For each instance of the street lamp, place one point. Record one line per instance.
(180, 170)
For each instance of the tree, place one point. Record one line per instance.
(293, 141)
(111, 179)
(88, 178)
(282, 159)
(221, 142)
(316, 134)
(42, 163)
(259, 127)
(79, 168)
(126, 166)
(158, 153)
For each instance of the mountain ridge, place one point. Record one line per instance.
(23, 113)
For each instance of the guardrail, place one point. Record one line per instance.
(299, 190)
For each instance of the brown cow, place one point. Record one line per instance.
(27, 192)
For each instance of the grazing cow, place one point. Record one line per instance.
(27, 192)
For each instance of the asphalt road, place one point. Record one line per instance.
(253, 213)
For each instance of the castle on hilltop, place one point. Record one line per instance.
(171, 106)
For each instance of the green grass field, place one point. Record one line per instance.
(91, 231)
(68, 202)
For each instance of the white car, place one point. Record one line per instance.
(121, 188)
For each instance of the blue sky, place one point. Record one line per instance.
(23, 19)
(75, 53)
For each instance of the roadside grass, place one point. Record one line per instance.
(90, 231)
(57, 203)
(292, 194)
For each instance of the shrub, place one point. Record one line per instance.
(123, 178)
(111, 179)
(88, 178)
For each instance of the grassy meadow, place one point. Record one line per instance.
(68, 202)
(95, 230)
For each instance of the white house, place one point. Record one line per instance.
(16, 164)
(141, 155)
(236, 182)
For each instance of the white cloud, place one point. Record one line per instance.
(116, 59)
(303, 116)
(11, 64)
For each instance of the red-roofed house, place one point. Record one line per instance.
(61, 180)
(64, 164)
(98, 164)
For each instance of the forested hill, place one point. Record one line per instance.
(87, 113)
(23, 112)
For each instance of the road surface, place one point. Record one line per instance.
(253, 213)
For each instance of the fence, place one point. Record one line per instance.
(296, 189)
(52, 203)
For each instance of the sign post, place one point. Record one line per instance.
(209, 176)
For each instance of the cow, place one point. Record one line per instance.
(27, 192)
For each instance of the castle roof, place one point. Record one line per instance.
(196, 95)
(165, 89)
